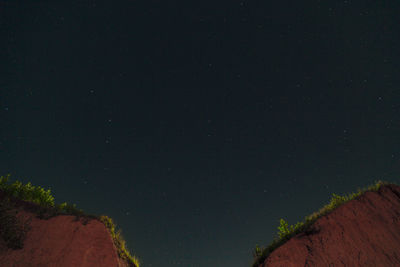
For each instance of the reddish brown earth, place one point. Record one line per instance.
(63, 241)
(362, 232)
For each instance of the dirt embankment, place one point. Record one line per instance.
(362, 232)
(62, 241)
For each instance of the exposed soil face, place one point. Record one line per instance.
(62, 241)
(362, 232)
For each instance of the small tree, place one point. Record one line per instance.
(283, 229)
(257, 252)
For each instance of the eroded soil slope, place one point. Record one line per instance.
(362, 232)
(62, 241)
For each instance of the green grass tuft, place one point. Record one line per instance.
(119, 241)
(285, 232)
(13, 232)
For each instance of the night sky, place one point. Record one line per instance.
(197, 125)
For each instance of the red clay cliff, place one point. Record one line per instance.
(362, 232)
(62, 241)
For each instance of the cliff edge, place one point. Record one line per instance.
(364, 231)
(36, 232)
(62, 241)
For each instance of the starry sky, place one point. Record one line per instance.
(197, 125)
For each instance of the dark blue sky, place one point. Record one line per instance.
(197, 126)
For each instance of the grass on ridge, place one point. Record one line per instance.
(13, 232)
(119, 241)
(285, 232)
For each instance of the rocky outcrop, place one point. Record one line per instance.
(362, 232)
(62, 241)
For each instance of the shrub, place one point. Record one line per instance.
(12, 230)
(27, 192)
(257, 252)
(283, 229)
